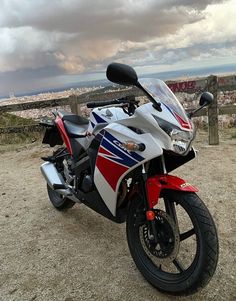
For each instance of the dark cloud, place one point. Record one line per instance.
(90, 30)
(29, 79)
(117, 19)
(80, 36)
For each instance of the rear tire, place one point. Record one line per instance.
(59, 201)
(203, 262)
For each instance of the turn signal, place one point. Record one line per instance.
(132, 146)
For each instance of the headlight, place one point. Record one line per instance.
(181, 140)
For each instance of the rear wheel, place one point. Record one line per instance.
(59, 201)
(185, 256)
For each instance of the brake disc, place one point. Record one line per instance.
(167, 247)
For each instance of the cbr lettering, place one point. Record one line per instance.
(121, 146)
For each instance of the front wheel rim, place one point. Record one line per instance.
(159, 268)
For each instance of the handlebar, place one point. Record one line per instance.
(123, 100)
(102, 103)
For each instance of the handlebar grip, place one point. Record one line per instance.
(91, 105)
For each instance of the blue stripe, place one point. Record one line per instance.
(98, 118)
(132, 154)
(122, 158)
(136, 156)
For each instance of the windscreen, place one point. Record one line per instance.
(162, 93)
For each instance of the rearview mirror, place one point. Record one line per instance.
(122, 74)
(206, 99)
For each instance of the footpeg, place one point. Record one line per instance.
(51, 159)
(59, 186)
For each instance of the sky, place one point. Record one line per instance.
(46, 44)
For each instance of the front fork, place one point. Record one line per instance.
(149, 203)
(151, 190)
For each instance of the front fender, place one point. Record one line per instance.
(156, 184)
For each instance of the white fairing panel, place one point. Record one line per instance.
(114, 161)
(101, 117)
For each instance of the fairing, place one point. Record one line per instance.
(114, 162)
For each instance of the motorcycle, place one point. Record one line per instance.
(118, 163)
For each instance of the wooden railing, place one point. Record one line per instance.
(211, 83)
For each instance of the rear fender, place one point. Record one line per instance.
(52, 135)
(156, 184)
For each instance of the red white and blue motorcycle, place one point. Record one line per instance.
(118, 164)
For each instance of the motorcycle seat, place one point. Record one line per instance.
(73, 118)
(75, 130)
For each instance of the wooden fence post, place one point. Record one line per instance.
(213, 135)
(73, 104)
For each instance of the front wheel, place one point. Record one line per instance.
(185, 256)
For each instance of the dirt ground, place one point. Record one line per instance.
(47, 255)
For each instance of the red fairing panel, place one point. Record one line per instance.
(156, 184)
(113, 160)
(111, 171)
(63, 133)
(184, 124)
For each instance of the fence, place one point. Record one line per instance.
(211, 83)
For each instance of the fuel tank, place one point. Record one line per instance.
(101, 117)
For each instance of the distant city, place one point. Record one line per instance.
(184, 73)
(188, 100)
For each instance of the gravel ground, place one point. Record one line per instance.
(78, 255)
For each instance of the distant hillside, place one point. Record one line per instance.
(165, 75)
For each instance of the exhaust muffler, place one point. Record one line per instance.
(56, 181)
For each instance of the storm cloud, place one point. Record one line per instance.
(82, 36)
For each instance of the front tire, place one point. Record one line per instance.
(162, 266)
